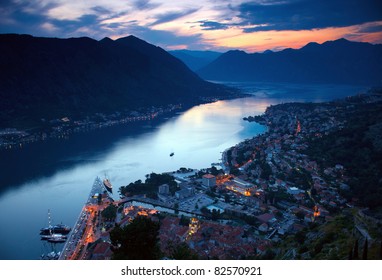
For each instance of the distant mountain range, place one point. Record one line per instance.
(50, 77)
(196, 60)
(339, 61)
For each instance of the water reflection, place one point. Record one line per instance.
(58, 175)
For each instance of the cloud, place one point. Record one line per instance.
(212, 25)
(100, 10)
(306, 15)
(145, 5)
(162, 38)
(371, 28)
(171, 16)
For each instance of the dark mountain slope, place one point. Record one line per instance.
(49, 77)
(339, 61)
(195, 60)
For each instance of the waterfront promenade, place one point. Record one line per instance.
(85, 230)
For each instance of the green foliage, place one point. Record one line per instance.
(300, 237)
(184, 221)
(301, 178)
(235, 171)
(214, 171)
(355, 249)
(269, 254)
(357, 147)
(266, 170)
(150, 186)
(181, 251)
(110, 212)
(136, 241)
(365, 248)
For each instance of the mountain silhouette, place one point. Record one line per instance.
(195, 60)
(339, 61)
(51, 77)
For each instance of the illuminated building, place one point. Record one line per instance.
(240, 186)
(209, 180)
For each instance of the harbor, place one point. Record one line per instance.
(87, 228)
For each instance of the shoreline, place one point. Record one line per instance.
(13, 138)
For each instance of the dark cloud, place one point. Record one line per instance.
(306, 14)
(371, 29)
(170, 16)
(163, 38)
(100, 10)
(145, 5)
(24, 17)
(73, 27)
(212, 25)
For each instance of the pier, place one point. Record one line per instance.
(86, 229)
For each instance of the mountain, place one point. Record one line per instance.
(339, 61)
(50, 77)
(195, 60)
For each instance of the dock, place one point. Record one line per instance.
(85, 229)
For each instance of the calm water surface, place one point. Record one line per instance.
(58, 174)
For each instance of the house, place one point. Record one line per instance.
(184, 193)
(164, 189)
(240, 186)
(293, 190)
(216, 208)
(267, 218)
(308, 218)
(263, 227)
(102, 251)
(209, 180)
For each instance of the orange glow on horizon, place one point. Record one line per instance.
(277, 40)
(234, 37)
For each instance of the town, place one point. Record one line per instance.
(11, 138)
(265, 198)
(63, 127)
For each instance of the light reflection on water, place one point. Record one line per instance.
(197, 137)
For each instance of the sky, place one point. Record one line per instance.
(219, 25)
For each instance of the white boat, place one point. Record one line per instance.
(107, 184)
(51, 236)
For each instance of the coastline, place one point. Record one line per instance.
(13, 138)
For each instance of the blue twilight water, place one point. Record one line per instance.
(58, 174)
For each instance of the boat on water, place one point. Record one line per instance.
(108, 185)
(172, 154)
(60, 228)
(57, 239)
(54, 234)
(51, 256)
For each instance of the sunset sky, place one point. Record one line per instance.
(199, 25)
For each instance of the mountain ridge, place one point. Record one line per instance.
(51, 77)
(195, 60)
(338, 61)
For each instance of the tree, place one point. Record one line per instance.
(300, 237)
(350, 253)
(215, 214)
(214, 171)
(136, 241)
(184, 221)
(355, 250)
(269, 254)
(110, 212)
(300, 215)
(181, 251)
(364, 253)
